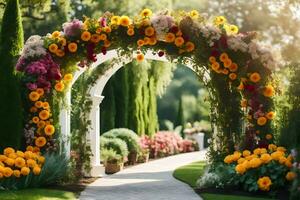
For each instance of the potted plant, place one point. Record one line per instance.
(143, 156)
(113, 162)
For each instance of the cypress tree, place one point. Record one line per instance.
(152, 108)
(10, 102)
(180, 115)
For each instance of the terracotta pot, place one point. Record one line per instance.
(111, 168)
(132, 158)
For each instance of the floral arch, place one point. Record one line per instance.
(239, 72)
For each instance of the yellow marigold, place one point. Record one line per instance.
(268, 91)
(103, 37)
(2, 158)
(263, 150)
(256, 151)
(17, 173)
(215, 66)
(255, 162)
(68, 77)
(31, 163)
(12, 155)
(85, 36)
(233, 67)
(220, 20)
(232, 29)
(38, 104)
(240, 168)
(36, 170)
(288, 163)
(281, 149)
(149, 31)
(146, 40)
(246, 164)
(232, 76)
(41, 159)
(255, 77)
(140, 57)
(36, 150)
(55, 34)
(107, 43)
(9, 161)
(223, 57)
(265, 158)
(95, 38)
(194, 14)
(140, 43)
(189, 46)
(40, 91)
(269, 136)
(227, 63)
(28, 154)
(72, 47)
(228, 159)
(146, 12)
(63, 41)
(236, 155)
(272, 147)
(270, 115)
(170, 37)
(241, 160)
(124, 21)
(130, 32)
(264, 183)
(29, 148)
(107, 29)
(246, 153)
(53, 48)
(20, 162)
(277, 155)
(261, 121)
(225, 71)
(35, 120)
(7, 172)
(8, 150)
(212, 59)
(44, 114)
(20, 154)
(59, 86)
(115, 20)
(152, 40)
(60, 53)
(282, 160)
(290, 176)
(25, 171)
(179, 41)
(34, 96)
(49, 130)
(40, 141)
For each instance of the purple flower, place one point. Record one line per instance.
(72, 28)
(31, 86)
(20, 64)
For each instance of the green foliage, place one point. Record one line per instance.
(11, 115)
(116, 144)
(110, 156)
(53, 171)
(130, 137)
(180, 116)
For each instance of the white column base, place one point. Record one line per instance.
(96, 171)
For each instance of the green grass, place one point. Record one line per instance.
(190, 173)
(36, 194)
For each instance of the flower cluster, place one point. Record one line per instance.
(18, 163)
(265, 163)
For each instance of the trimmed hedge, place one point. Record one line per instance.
(116, 144)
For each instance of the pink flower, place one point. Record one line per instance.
(31, 86)
(72, 28)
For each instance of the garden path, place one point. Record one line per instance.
(148, 181)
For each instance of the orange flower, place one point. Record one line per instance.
(8, 150)
(124, 21)
(55, 34)
(152, 41)
(34, 96)
(130, 32)
(63, 41)
(59, 86)
(45, 105)
(255, 77)
(41, 124)
(268, 91)
(44, 114)
(103, 37)
(212, 59)
(85, 36)
(189, 46)
(95, 38)
(36, 170)
(35, 120)
(261, 121)
(17, 173)
(233, 67)
(146, 40)
(227, 63)
(53, 48)
(215, 66)
(269, 136)
(264, 183)
(140, 43)
(225, 71)
(25, 171)
(179, 41)
(270, 115)
(223, 57)
(29, 148)
(107, 29)
(170, 37)
(140, 57)
(60, 53)
(40, 91)
(33, 109)
(244, 103)
(7, 172)
(107, 43)
(232, 76)
(149, 31)
(49, 130)
(31, 163)
(40, 141)
(72, 47)
(290, 176)
(241, 86)
(38, 104)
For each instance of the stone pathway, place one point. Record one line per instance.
(148, 181)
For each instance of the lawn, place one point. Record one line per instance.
(36, 194)
(191, 172)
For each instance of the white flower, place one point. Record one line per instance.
(34, 47)
(162, 23)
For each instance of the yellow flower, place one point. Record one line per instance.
(255, 162)
(149, 31)
(35, 120)
(261, 121)
(40, 91)
(281, 149)
(107, 29)
(9, 161)
(194, 14)
(124, 21)
(140, 57)
(115, 20)
(31, 163)
(36, 170)
(72, 47)
(256, 151)
(241, 160)
(288, 163)
(241, 86)
(225, 71)
(269, 136)
(146, 12)
(255, 77)
(228, 159)
(265, 158)
(20, 162)
(8, 150)
(140, 43)
(268, 91)
(107, 43)
(17, 173)
(59, 86)
(220, 20)
(53, 48)
(246, 164)
(49, 130)
(232, 29)
(44, 114)
(40, 141)
(25, 171)
(29, 148)
(232, 76)
(277, 155)
(179, 41)
(290, 176)
(189, 46)
(34, 96)
(63, 41)
(7, 172)
(246, 153)
(264, 183)
(170, 37)
(270, 115)
(86, 36)
(152, 40)
(55, 34)
(272, 147)
(68, 77)
(130, 32)
(38, 104)
(236, 155)
(20, 154)
(41, 159)
(240, 168)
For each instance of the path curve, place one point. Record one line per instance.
(148, 181)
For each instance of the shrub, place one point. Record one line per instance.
(53, 171)
(116, 144)
(110, 156)
(264, 169)
(130, 137)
